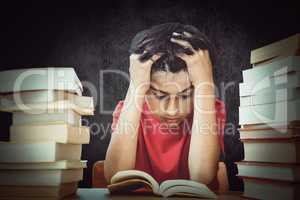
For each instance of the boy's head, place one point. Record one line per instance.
(170, 96)
(157, 40)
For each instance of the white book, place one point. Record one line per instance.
(38, 152)
(270, 84)
(40, 79)
(274, 171)
(38, 192)
(284, 111)
(271, 97)
(52, 177)
(43, 96)
(66, 116)
(61, 133)
(51, 107)
(278, 67)
(272, 150)
(62, 164)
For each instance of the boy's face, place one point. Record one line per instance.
(170, 96)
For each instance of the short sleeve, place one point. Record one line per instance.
(116, 115)
(221, 120)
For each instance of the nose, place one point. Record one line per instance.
(171, 108)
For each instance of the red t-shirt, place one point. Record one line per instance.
(161, 152)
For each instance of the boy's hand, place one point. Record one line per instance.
(140, 72)
(199, 64)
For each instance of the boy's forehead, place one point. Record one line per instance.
(170, 82)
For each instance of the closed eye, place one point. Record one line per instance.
(160, 97)
(185, 96)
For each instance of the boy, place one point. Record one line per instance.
(170, 124)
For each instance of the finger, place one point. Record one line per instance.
(134, 56)
(183, 43)
(183, 56)
(137, 54)
(190, 49)
(154, 58)
(187, 34)
(180, 36)
(176, 34)
(145, 56)
(183, 39)
(191, 29)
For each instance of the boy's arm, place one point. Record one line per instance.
(121, 152)
(204, 147)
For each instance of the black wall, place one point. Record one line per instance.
(95, 37)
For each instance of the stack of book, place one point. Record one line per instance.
(42, 159)
(270, 122)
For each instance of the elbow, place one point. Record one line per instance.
(108, 174)
(205, 178)
(112, 166)
(107, 177)
(204, 174)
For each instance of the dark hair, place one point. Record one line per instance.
(157, 40)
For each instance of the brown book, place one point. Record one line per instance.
(269, 132)
(51, 177)
(277, 50)
(282, 56)
(291, 124)
(11, 192)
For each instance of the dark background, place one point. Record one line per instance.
(92, 37)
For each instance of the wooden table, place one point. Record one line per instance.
(103, 194)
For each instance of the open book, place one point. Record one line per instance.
(131, 180)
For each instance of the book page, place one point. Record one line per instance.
(182, 190)
(171, 187)
(129, 185)
(135, 174)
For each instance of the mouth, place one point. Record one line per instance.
(168, 120)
